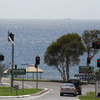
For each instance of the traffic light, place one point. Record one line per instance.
(98, 62)
(96, 45)
(93, 45)
(1, 58)
(12, 36)
(88, 60)
(37, 60)
(35, 66)
(15, 66)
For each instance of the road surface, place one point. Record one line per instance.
(52, 94)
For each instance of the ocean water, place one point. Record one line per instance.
(32, 37)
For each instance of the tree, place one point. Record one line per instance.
(88, 37)
(64, 53)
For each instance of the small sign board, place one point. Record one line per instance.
(97, 89)
(16, 87)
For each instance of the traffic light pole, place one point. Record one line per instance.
(88, 56)
(12, 58)
(37, 78)
(99, 73)
(37, 62)
(88, 62)
(12, 63)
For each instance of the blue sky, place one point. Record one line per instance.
(50, 9)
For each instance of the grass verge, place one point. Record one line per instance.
(6, 91)
(89, 96)
(41, 80)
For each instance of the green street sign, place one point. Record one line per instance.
(17, 71)
(9, 71)
(86, 69)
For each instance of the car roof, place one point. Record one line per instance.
(75, 79)
(68, 84)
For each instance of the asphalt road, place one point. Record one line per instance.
(52, 94)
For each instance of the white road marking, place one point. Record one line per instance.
(17, 82)
(42, 94)
(25, 84)
(5, 83)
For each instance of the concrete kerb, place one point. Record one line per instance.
(22, 96)
(39, 93)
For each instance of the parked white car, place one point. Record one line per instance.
(68, 88)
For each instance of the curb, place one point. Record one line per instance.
(41, 92)
(14, 96)
(21, 96)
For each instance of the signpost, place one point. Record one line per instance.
(17, 71)
(86, 69)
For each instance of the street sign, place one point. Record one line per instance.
(86, 69)
(16, 87)
(86, 75)
(9, 71)
(17, 71)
